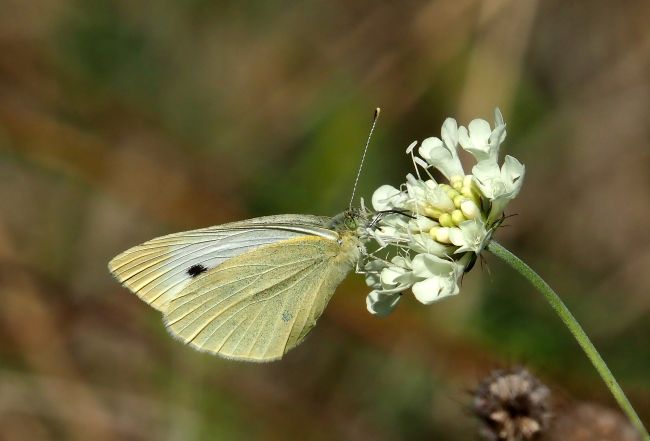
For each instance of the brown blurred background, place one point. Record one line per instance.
(120, 121)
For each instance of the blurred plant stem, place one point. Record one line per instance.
(575, 328)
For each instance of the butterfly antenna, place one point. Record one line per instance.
(363, 157)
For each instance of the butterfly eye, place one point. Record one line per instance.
(354, 219)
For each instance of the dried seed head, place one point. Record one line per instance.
(513, 406)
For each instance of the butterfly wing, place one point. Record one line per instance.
(161, 268)
(260, 304)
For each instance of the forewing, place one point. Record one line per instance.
(259, 305)
(161, 268)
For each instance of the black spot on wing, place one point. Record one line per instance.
(195, 270)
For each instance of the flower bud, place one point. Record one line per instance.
(459, 200)
(452, 193)
(467, 192)
(469, 209)
(432, 212)
(457, 217)
(445, 220)
(442, 235)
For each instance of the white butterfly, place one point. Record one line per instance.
(248, 290)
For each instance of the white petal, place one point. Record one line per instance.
(498, 117)
(469, 236)
(487, 176)
(428, 145)
(428, 265)
(441, 278)
(390, 274)
(499, 132)
(435, 288)
(463, 138)
(476, 141)
(496, 138)
(383, 197)
(428, 290)
(500, 185)
(381, 303)
(442, 157)
(424, 243)
(479, 131)
(401, 261)
(372, 271)
(449, 133)
(513, 171)
(512, 178)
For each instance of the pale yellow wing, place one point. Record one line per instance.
(259, 305)
(163, 267)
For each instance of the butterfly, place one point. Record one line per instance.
(248, 290)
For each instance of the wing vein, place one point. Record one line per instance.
(248, 305)
(226, 284)
(311, 306)
(209, 310)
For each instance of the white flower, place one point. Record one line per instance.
(388, 284)
(443, 154)
(439, 278)
(430, 277)
(387, 197)
(481, 141)
(499, 185)
(436, 228)
(470, 235)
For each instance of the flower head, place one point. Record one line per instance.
(512, 405)
(437, 228)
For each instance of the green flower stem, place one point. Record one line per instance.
(575, 328)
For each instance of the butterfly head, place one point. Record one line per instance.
(352, 219)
